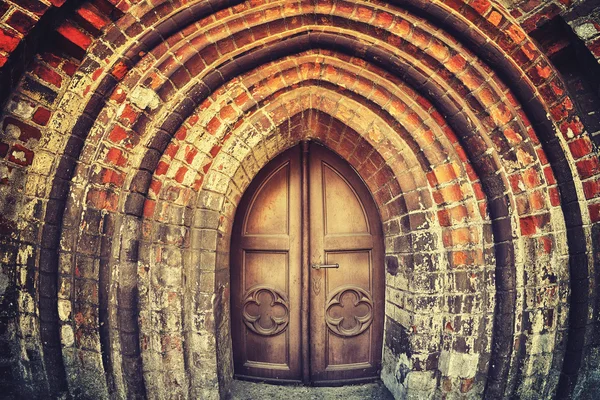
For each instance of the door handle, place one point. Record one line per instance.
(320, 266)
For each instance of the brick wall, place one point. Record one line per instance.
(128, 141)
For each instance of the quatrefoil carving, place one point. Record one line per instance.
(349, 311)
(265, 311)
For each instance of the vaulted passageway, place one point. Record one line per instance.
(129, 141)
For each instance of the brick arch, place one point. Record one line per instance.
(93, 202)
(460, 123)
(322, 131)
(126, 205)
(177, 167)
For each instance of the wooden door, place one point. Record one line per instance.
(270, 281)
(265, 276)
(346, 303)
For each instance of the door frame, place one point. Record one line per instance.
(360, 186)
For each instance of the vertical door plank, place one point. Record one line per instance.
(346, 310)
(266, 274)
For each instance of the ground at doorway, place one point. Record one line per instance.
(242, 390)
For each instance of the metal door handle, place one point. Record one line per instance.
(319, 266)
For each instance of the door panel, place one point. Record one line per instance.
(343, 210)
(269, 209)
(345, 315)
(345, 321)
(266, 274)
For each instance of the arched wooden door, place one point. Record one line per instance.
(307, 275)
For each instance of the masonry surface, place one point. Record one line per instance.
(129, 131)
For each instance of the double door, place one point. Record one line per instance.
(307, 273)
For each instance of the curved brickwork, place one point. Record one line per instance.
(124, 177)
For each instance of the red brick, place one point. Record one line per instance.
(181, 133)
(215, 150)
(47, 75)
(213, 125)
(501, 114)
(74, 35)
(537, 200)
(481, 6)
(162, 168)
(21, 155)
(528, 226)
(466, 385)
(540, 18)
(97, 73)
(180, 175)
(495, 18)
(572, 126)
(119, 70)
(549, 176)
(20, 21)
(531, 178)
(117, 134)
(530, 5)
(561, 110)
(591, 189)
(128, 115)
(444, 173)
(516, 183)
(93, 16)
(57, 3)
(594, 47)
(171, 150)
(554, 196)
(588, 168)
(190, 155)
(118, 95)
(155, 186)
(35, 6)
(41, 116)
(470, 257)
(28, 132)
(198, 182)
(515, 33)
(206, 166)
(149, 206)
(581, 147)
(69, 68)
(102, 199)
(115, 157)
(543, 70)
(51, 59)
(444, 218)
(110, 176)
(8, 40)
(594, 210)
(547, 244)
(122, 5)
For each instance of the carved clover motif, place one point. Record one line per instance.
(349, 311)
(265, 311)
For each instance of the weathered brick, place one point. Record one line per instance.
(74, 35)
(20, 21)
(48, 75)
(8, 40)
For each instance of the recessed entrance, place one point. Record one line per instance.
(307, 273)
